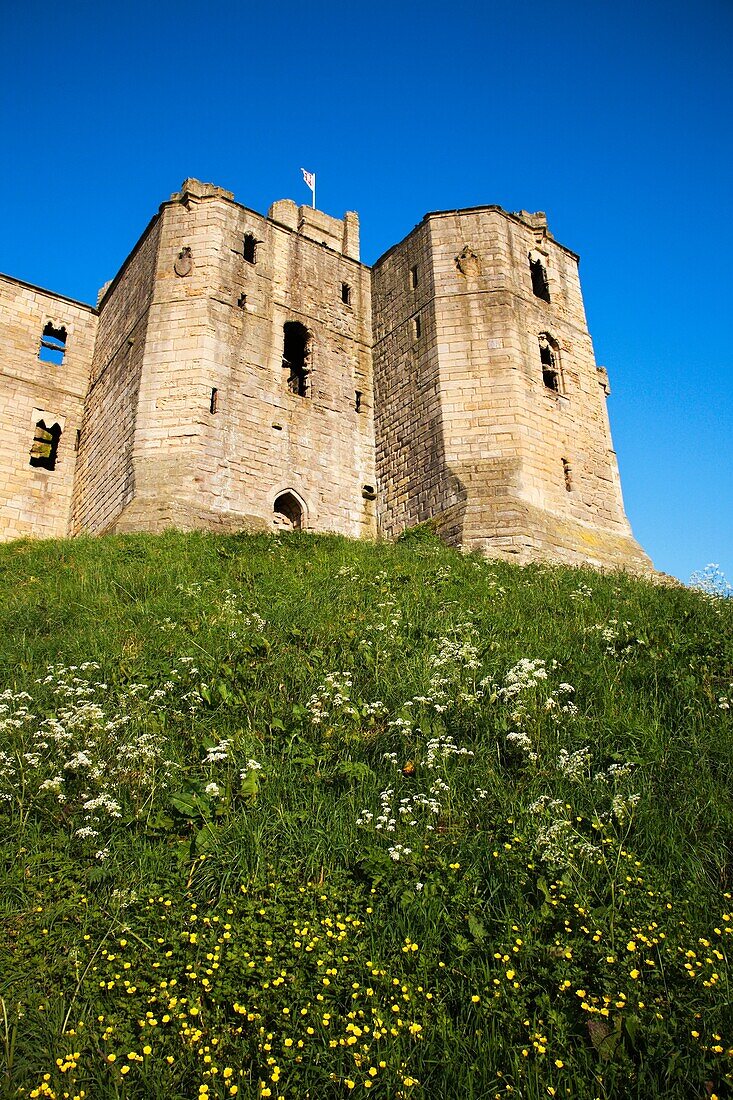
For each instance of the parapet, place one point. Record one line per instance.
(341, 234)
(195, 189)
(538, 220)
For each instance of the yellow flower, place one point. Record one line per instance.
(559, 1063)
(510, 974)
(475, 999)
(125, 1069)
(634, 974)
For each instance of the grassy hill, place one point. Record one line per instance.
(298, 817)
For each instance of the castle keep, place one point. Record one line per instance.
(243, 372)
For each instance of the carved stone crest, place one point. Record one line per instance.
(468, 263)
(184, 263)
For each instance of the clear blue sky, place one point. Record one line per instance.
(614, 117)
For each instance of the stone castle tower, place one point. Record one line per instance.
(243, 372)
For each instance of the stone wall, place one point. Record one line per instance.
(35, 501)
(105, 482)
(415, 483)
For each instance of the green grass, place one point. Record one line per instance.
(301, 817)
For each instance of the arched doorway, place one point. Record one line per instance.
(288, 512)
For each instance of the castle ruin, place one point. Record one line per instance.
(244, 372)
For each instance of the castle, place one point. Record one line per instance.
(248, 372)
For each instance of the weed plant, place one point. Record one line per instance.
(297, 817)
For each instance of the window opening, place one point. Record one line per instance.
(242, 301)
(540, 287)
(296, 340)
(288, 513)
(53, 345)
(357, 400)
(413, 277)
(249, 248)
(214, 402)
(369, 492)
(568, 475)
(346, 294)
(45, 446)
(550, 372)
(416, 328)
(77, 440)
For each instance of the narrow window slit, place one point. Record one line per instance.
(416, 328)
(568, 475)
(214, 402)
(346, 294)
(413, 277)
(538, 272)
(53, 345)
(242, 301)
(548, 359)
(296, 350)
(249, 248)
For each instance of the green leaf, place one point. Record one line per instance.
(356, 770)
(206, 837)
(186, 803)
(250, 786)
(477, 928)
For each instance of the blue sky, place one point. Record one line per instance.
(615, 118)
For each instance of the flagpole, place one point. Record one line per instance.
(314, 190)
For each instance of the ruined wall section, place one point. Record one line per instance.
(572, 422)
(35, 501)
(415, 484)
(538, 462)
(105, 478)
(219, 436)
(326, 445)
(468, 432)
(172, 405)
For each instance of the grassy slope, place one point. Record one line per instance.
(530, 940)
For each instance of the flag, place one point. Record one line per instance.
(310, 179)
